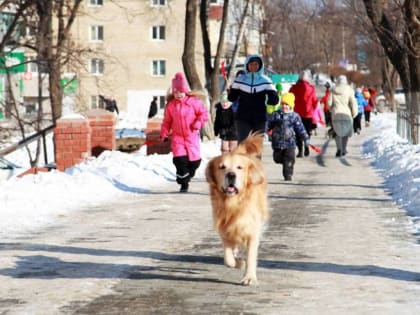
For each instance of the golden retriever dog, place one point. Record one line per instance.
(238, 193)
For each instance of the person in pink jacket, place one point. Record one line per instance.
(184, 116)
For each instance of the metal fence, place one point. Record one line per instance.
(404, 125)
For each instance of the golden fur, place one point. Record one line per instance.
(238, 195)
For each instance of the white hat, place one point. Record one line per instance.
(305, 75)
(342, 79)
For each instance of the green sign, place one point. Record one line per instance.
(12, 62)
(70, 85)
(284, 78)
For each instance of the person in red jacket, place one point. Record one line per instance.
(306, 101)
(368, 94)
(324, 104)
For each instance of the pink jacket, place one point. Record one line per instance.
(317, 117)
(184, 117)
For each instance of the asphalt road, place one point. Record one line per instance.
(335, 243)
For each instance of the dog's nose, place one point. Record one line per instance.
(231, 176)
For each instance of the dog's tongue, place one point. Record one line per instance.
(230, 189)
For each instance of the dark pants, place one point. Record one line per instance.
(185, 170)
(287, 158)
(307, 123)
(367, 115)
(244, 129)
(357, 122)
(327, 116)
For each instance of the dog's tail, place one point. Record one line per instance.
(252, 145)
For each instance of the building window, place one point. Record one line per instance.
(158, 32)
(96, 66)
(161, 102)
(158, 3)
(159, 67)
(96, 33)
(95, 101)
(96, 3)
(29, 31)
(31, 64)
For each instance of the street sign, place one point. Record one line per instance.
(12, 62)
(70, 85)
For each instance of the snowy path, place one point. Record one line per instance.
(335, 244)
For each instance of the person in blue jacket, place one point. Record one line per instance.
(286, 125)
(361, 103)
(253, 90)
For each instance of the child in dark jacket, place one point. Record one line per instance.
(224, 124)
(286, 125)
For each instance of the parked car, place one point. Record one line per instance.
(8, 169)
(382, 101)
(399, 96)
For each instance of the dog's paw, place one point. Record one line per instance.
(230, 261)
(249, 280)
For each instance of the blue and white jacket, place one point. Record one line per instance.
(253, 90)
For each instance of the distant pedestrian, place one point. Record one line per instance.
(253, 90)
(110, 104)
(370, 105)
(286, 125)
(184, 116)
(153, 108)
(327, 115)
(323, 102)
(343, 107)
(224, 124)
(306, 102)
(362, 102)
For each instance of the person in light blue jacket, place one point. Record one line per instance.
(253, 90)
(361, 103)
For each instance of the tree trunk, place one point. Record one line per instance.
(238, 42)
(402, 54)
(212, 71)
(188, 57)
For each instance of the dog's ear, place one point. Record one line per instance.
(210, 171)
(256, 175)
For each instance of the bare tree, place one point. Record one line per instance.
(242, 24)
(49, 45)
(397, 26)
(211, 61)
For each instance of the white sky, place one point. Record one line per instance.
(34, 201)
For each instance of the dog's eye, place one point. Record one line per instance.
(222, 166)
(239, 167)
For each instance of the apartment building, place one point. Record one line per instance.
(135, 48)
(130, 50)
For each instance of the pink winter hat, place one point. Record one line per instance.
(179, 84)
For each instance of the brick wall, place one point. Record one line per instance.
(154, 145)
(72, 142)
(102, 123)
(76, 139)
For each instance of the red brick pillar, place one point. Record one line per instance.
(72, 142)
(154, 145)
(102, 123)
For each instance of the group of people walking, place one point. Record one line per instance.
(252, 103)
